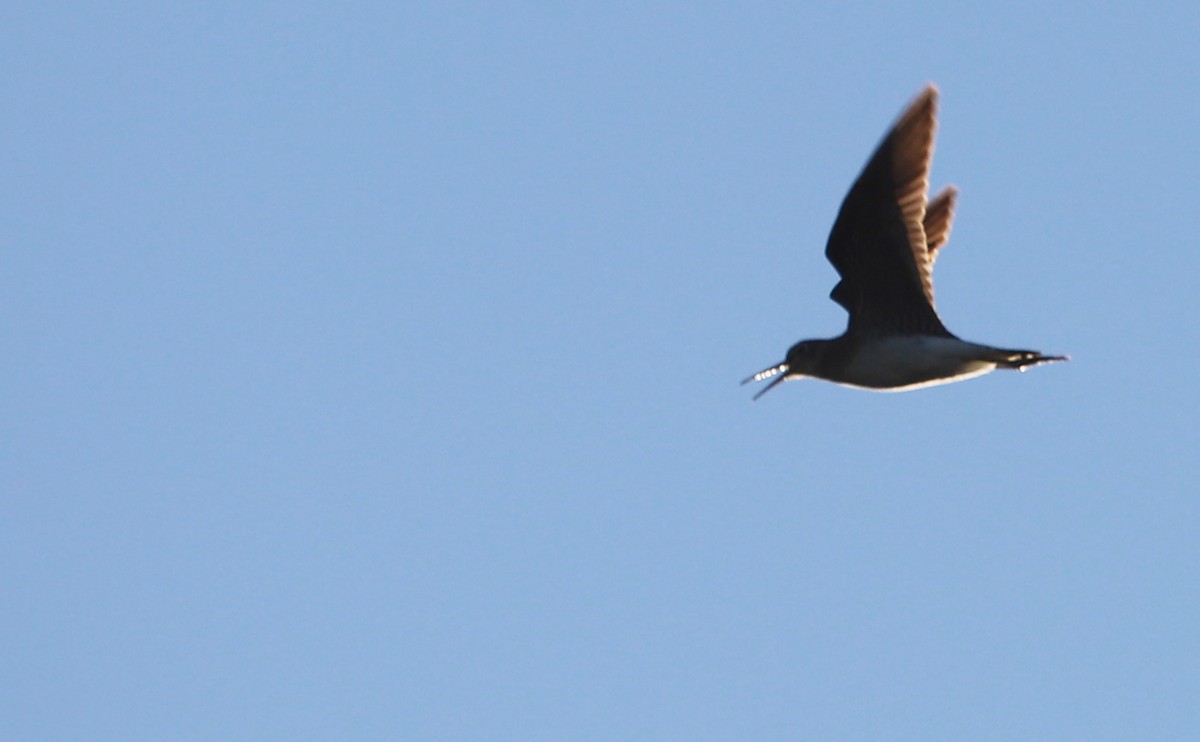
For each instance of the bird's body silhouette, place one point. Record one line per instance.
(883, 245)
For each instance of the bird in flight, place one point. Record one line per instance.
(883, 245)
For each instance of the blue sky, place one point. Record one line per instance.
(372, 373)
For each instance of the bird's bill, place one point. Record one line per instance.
(767, 373)
(774, 383)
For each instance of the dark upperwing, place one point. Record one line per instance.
(878, 243)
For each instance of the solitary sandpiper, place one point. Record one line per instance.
(883, 245)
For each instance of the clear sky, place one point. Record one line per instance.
(371, 373)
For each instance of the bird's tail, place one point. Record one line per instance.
(1022, 359)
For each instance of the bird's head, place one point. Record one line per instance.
(802, 360)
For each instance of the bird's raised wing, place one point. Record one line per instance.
(878, 243)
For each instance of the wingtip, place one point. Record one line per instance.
(923, 107)
(926, 102)
(927, 96)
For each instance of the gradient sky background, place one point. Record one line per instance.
(372, 373)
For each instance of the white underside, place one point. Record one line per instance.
(914, 362)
